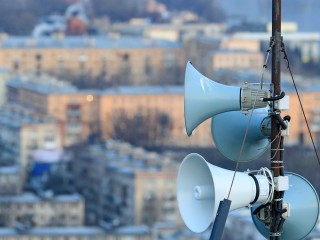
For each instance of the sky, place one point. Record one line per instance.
(304, 12)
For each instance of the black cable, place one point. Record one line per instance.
(281, 122)
(304, 115)
(260, 207)
(282, 95)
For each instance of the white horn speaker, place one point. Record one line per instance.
(204, 98)
(303, 203)
(201, 186)
(228, 130)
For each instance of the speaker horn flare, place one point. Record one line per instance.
(201, 186)
(204, 98)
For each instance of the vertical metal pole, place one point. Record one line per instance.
(276, 156)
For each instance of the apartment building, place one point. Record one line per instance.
(28, 208)
(299, 133)
(5, 75)
(82, 113)
(75, 233)
(306, 42)
(125, 185)
(10, 180)
(169, 100)
(235, 60)
(22, 131)
(115, 58)
(76, 112)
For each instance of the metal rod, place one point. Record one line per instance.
(276, 163)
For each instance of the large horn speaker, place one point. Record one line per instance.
(204, 98)
(201, 186)
(228, 130)
(304, 210)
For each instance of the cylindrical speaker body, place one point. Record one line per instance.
(196, 177)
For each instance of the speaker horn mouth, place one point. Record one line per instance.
(203, 192)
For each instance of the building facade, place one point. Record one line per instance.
(116, 59)
(88, 112)
(235, 60)
(23, 131)
(124, 185)
(27, 208)
(10, 180)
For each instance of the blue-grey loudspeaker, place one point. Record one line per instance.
(201, 186)
(228, 130)
(204, 98)
(304, 210)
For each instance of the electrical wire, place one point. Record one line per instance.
(300, 102)
(249, 123)
(264, 171)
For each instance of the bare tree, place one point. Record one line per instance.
(148, 127)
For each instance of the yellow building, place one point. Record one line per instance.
(169, 100)
(299, 133)
(82, 113)
(235, 60)
(138, 60)
(233, 43)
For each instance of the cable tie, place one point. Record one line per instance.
(275, 234)
(278, 199)
(278, 149)
(276, 161)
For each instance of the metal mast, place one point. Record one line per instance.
(276, 146)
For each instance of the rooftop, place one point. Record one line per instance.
(49, 231)
(129, 160)
(144, 90)
(15, 116)
(28, 197)
(265, 36)
(9, 169)
(76, 42)
(45, 88)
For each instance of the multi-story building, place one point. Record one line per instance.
(86, 112)
(117, 59)
(79, 233)
(235, 60)
(232, 43)
(299, 133)
(76, 112)
(124, 185)
(4, 77)
(168, 100)
(27, 208)
(10, 180)
(306, 43)
(23, 131)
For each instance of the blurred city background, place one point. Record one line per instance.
(92, 117)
